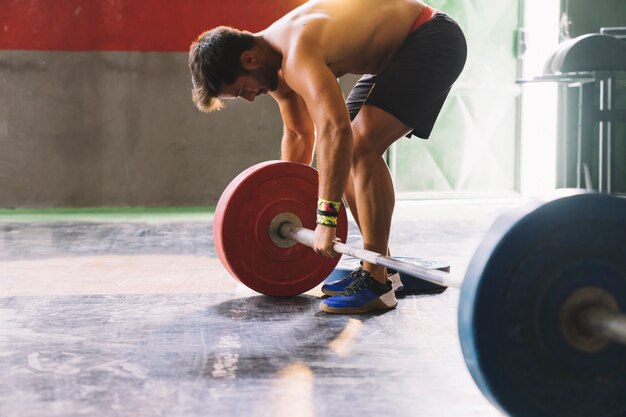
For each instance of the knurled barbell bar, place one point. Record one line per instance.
(290, 231)
(540, 304)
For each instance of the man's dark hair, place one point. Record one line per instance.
(214, 60)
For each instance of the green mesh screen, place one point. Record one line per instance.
(473, 146)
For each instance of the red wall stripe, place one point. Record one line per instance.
(127, 25)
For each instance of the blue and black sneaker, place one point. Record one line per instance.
(363, 295)
(335, 287)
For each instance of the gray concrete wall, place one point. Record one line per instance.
(118, 129)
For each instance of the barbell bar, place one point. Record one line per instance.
(540, 307)
(305, 237)
(593, 320)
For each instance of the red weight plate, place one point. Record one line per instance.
(242, 221)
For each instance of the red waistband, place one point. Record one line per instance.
(426, 14)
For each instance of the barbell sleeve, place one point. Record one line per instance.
(604, 323)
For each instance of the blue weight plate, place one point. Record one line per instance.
(529, 263)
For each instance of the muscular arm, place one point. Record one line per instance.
(307, 73)
(298, 129)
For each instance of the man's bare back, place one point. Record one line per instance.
(356, 43)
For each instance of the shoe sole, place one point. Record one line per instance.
(377, 304)
(371, 306)
(331, 293)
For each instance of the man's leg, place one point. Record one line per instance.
(372, 193)
(348, 195)
(351, 202)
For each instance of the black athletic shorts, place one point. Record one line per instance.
(416, 82)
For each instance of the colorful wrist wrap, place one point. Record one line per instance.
(327, 212)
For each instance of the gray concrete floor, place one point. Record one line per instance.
(115, 316)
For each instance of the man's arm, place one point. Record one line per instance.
(298, 128)
(309, 76)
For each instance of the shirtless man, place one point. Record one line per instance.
(410, 55)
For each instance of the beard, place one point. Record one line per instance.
(266, 77)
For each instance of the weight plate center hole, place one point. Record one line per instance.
(275, 225)
(571, 318)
